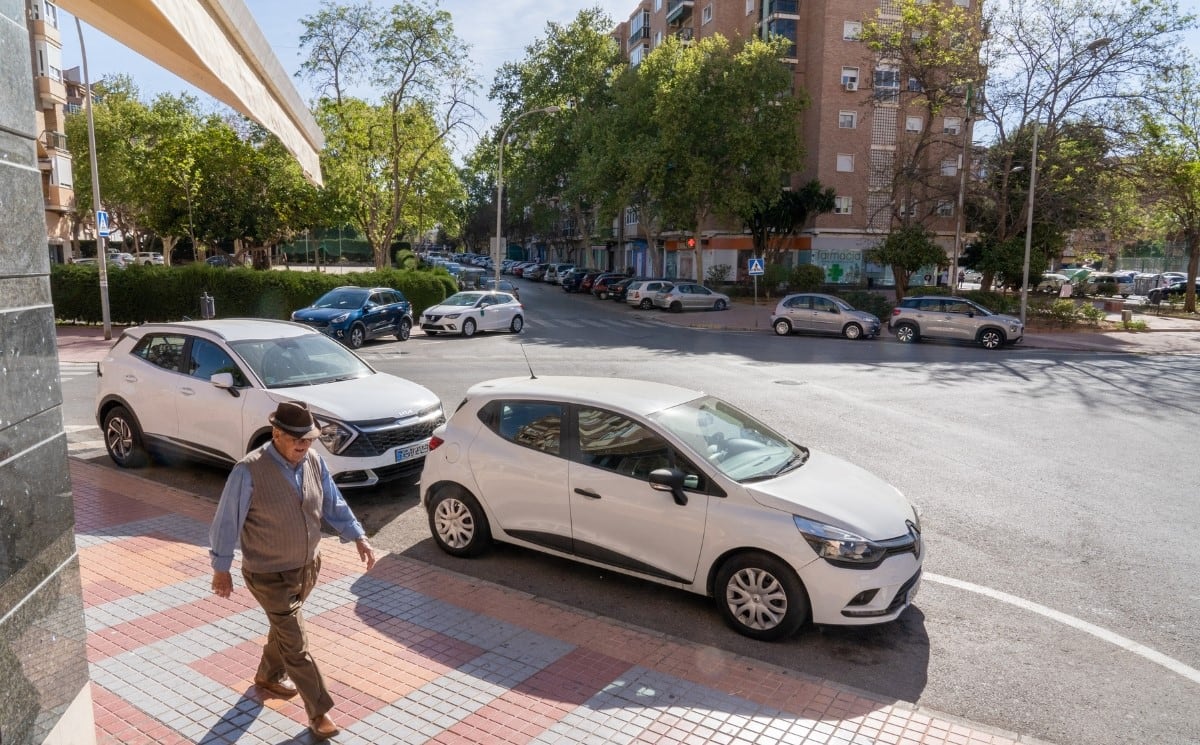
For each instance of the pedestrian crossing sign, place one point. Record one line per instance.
(756, 267)
(102, 223)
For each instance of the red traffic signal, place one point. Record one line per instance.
(691, 242)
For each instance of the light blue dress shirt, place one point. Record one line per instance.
(235, 503)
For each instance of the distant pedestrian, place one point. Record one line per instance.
(962, 277)
(273, 504)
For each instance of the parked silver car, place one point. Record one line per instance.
(689, 296)
(641, 292)
(809, 311)
(944, 317)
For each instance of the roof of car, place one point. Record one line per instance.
(636, 396)
(232, 329)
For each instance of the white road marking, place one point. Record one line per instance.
(1129, 645)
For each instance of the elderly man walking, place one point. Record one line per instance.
(273, 504)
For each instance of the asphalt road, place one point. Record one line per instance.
(1062, 589)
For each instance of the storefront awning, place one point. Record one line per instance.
(216, 46)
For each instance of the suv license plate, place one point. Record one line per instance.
(412, 451)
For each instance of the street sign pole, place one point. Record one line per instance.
(101, 252)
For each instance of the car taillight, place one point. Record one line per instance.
(895, 311)
(434, 442)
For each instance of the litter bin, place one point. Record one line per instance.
(208, 306)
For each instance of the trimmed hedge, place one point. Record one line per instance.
(143, 294)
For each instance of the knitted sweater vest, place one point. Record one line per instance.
(282, 531)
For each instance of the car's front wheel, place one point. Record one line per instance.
(458, 523)
(123, 438)
(647, 303)
(517, 324)
(906, 333)
(782, 327)
(852, 331)
(356, 336)
(468, 328)
(719, 305)
(760, 596)
(405, 329)
(991, 339)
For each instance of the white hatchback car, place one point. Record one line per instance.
(204, 390)
(467, 312)
(675, 487)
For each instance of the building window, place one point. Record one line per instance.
(749, 7)
(945, 208)
(636, 55)
(847, 119)
(60, 172)
(949, 167)
(850, 78)
(963, 3)
(908, 209)
(657, 38)
(887, 84)
(631, 216)
(843, 205)
(706, 14)
(851, 30)
(913, 124)
(845, 163)
(951, 125)
(914, 85)
(657, 5)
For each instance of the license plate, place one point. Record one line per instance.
(412, 451)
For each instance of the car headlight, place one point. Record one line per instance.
(334, 435)
(837, 546)
(341, 319)
(453, 315)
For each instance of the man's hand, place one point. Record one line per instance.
(222, 584)
(365, 552)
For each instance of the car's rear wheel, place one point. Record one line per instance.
(603, 295)
(760, 596)
(517, 324)
(646, 303)
(782, 327)
(719, 305)
(676, 307)
(458, 523)
(906, 333)
(991, 338)
(468, 328)
(405, 329)
(123, 438)
(852, 331)
(356, 337)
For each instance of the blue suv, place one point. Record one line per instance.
(352, 315)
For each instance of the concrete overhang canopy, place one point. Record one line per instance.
(216, 46)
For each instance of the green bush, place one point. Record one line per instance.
(806, 278)
(142, 294)
(878, 305)
(717, 275)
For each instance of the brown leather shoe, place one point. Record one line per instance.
(283, 688)
(323, 727)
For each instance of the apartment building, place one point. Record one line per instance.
(863, 112)
(50, 99)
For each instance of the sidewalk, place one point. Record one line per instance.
(414, 653)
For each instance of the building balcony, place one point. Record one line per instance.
(677, 10)
(686, 36)
(44, 31)
(54, 140)
(50, 92)
(783, 9)
(59, 198)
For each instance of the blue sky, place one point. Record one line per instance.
(497, 30)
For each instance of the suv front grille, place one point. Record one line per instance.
(379, 440)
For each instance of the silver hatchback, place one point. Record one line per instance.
(827, 314)
(690, 296)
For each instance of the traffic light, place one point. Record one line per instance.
(691, 242)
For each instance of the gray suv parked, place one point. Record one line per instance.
(953, 318)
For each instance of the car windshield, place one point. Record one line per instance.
(735, 443)
(464, 299)
(310, 359)
(342, 298)
(842, 303)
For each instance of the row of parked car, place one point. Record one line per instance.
(639, 292)
(123, 259)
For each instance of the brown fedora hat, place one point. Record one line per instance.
(294, 418)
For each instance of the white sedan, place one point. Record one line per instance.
(675, 487)
(467, 312)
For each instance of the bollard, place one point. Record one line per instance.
(1126, 316)
(208, 306)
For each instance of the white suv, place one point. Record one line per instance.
(204, 389)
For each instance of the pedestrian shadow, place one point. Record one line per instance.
(236, 722)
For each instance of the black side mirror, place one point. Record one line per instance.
(669, 479)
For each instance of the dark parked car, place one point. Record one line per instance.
(585, 284)
(353, 315)
(573, 279)
(1173, 291)
(600, 288)
(617, 291)
(489, 283)
(220, 260)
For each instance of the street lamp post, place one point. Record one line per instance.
(496, 249)
(101, 251)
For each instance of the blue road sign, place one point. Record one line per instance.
(756, 268)
(102, 223)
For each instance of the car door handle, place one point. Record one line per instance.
(130, 378)
(187, 391)
(587, 493)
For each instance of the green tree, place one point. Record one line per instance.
(378, 156)
(906, 249)
(773, 223)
